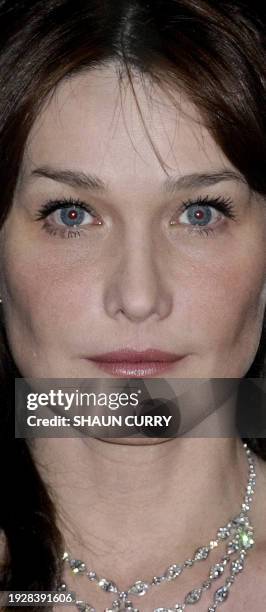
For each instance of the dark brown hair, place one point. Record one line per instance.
(214, 52)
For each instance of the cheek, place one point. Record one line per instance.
(227, 300)
(54, 294)
(44, 300)
(47, 307)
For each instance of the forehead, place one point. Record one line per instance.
(92, 121)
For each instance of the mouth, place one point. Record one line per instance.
(136, 364)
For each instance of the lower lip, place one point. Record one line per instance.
(140, 369)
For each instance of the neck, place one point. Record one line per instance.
(123, 500)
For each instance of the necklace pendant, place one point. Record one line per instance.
(122, 606)
(245, 537)
(173, 571)
(223, 533)
(240, 521)
(163, 610)
(221, 594)
(77, 566)
(139, 588)
(176, 608)
(194, 596)
(107, 585)
(201, 553)
(83, 606)
(237, 566)
(216, 571)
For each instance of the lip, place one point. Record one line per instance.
(131, 363)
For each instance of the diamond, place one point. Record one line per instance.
(193, 596)
(221, 594)
(92, 575)
(62, 588)
(139, 588)
(82, 606)
(206, 584)
(77, 566)
(173, 571)
(216, 571)
(115, 607)
(237, 566)
(107, 585)
(232, 547)
(223, 533)
(116, 603)
(245, 539)
(163, 610)
(158, 579)
(188, 563)
(240, 520)
(128, 607)
(201, 553)
(118, 606)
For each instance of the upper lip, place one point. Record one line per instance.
(133, 356)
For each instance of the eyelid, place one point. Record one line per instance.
(54, 204)
(223, 204)
(220, 203)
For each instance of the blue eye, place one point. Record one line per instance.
(203, 213)
(198, 215)
(72, 216)
(66, 216)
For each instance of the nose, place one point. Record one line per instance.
(136, 287)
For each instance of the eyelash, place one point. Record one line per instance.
(223, 205)
(52, 205)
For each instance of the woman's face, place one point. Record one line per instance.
(102, 251)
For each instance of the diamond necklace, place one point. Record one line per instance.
(240, 533)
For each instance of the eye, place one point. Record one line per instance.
(72, 216)
(199, 215)
(204, 212)
(66, 217)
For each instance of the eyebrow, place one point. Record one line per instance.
(170, 185)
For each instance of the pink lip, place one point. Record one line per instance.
(131, 363)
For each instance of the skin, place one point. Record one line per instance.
(141, 278)
(135, 280)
